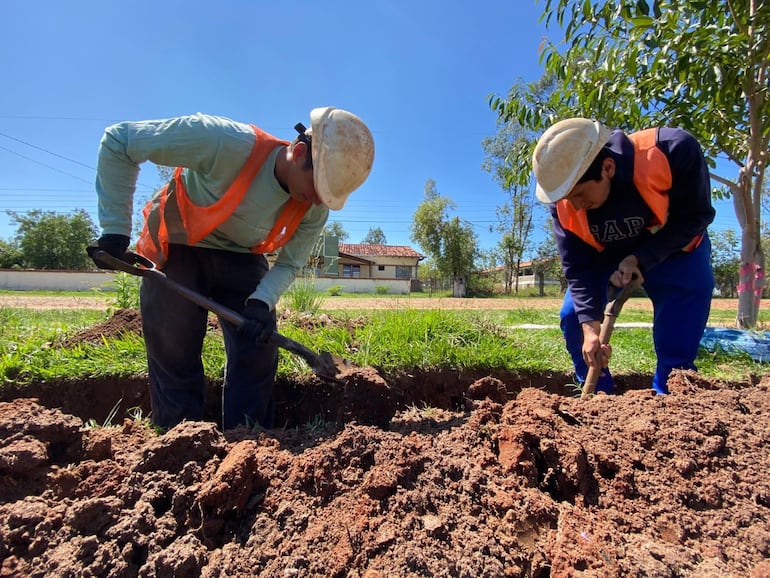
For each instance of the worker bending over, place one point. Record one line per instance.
(237, 194)
(627, 205)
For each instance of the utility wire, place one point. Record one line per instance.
(39, 117)
(45, 165)
(47, 151)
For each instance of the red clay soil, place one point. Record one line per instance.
(430, 475)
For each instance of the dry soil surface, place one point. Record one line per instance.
(22, 299)
(425, 475)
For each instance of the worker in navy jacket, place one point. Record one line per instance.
(628, 206)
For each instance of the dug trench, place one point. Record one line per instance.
(423, 474)
(363, 396)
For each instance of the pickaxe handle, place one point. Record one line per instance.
(611, 312)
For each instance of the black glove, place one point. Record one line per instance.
(260, 321)
(115, 245)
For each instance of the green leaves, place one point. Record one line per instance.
(49, 240)
(642, 21)
(638, 63)
(450, 242)
(700, 65)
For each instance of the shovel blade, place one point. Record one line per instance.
(324, 364)
(330, 366)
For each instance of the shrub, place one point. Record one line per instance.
(301, 296)
(126, 291)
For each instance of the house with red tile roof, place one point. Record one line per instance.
(529, 277)
(362, 268)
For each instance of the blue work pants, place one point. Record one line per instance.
(174, 328)
(680, 288)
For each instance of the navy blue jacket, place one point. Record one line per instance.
(620, 223)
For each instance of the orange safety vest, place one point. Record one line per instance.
(171, 217)
(652, 177)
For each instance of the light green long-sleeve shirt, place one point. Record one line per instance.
(212, 150)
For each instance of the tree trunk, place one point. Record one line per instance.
(751, 279)
(751, 275)
(458, 289)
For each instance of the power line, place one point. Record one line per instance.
(44, 165)
(47, 151)
(36, 117)
(50, 152)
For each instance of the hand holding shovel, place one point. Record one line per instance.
(616, 299)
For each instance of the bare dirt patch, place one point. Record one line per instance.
(427, 474)
(88, 301)
(533, 485)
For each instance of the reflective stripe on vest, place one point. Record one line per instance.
(171, 217)
(652, 178)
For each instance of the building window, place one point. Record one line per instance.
(403, 272)
(351, 271)
(380, 267)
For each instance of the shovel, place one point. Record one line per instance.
(617, 298)
(324, 364)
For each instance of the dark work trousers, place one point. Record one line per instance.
(174, 328)
(680, 288)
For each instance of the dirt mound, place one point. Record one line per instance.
(121, 322)
(540, 485)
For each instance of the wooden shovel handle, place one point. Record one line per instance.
(143, 267)
(611, 312)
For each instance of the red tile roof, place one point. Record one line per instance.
(362, 250)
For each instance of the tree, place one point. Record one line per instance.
(450, 243)
(699, 65)
(375, 236)
(725, 260)
(547, 262)
(514, 217)
(165, 173)
(509, 250)
(50, 240)
(429, 275)
(335, 229)
(10, 255)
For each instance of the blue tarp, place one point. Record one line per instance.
(754, 343)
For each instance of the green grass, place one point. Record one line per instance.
(394, 340)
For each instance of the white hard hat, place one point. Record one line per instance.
(343, 152)
(563, 154)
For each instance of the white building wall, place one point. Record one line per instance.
(367, 286)
(16, 280)
(390, 264)
(526, 281)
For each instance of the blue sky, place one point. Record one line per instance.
(418, 72)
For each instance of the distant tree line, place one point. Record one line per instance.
(49, 240)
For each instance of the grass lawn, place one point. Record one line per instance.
(393, 340)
